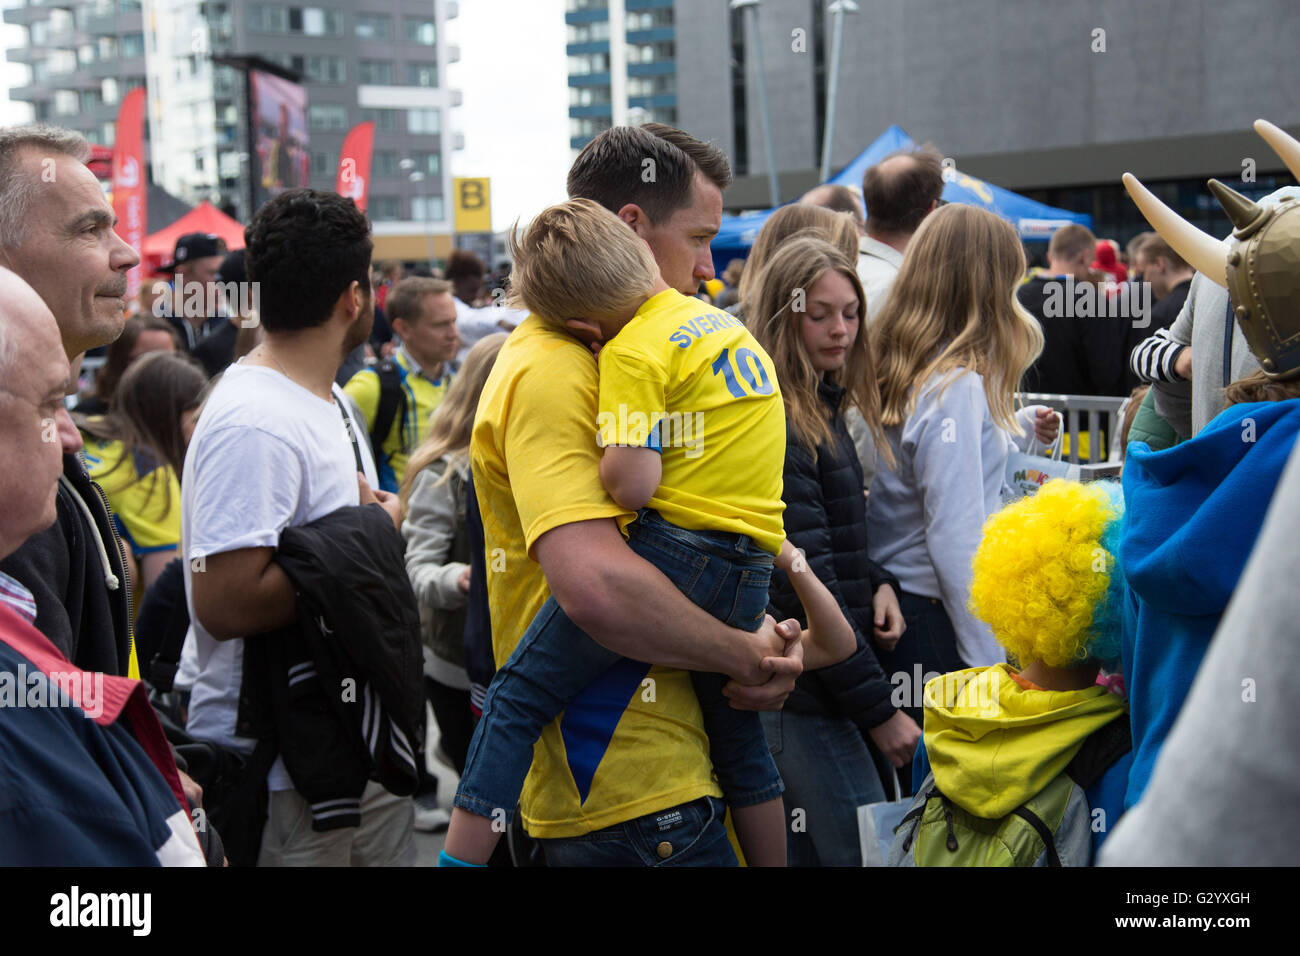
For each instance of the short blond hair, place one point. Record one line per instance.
(579, 260)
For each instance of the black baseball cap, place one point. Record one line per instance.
(196, 245)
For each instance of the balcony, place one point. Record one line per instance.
(589, 79)
(653, 35)
(26, 16)
(592, 109)
(587, 16)
(655, 68)
(23, 54)
(590, 46)
(656, 101)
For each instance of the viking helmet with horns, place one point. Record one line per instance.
(1259, 265)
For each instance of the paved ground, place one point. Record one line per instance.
(429, 845)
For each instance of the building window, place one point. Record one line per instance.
(374, 26)
(590, 63)
(132, 45)
(420, 30)
(422, 74)
(107, 47)
(649, 19)
(652, 85)
(384, 164)
(426, 208)
(86, 54)
(108, 89)
(592, 95)
(327, 117)
(66, 103)
(325, 69)
(385, 120)
(587, 125)
(423, 121)
(316, 21)
(89, 100)
(649, 52)
(268, 18)
(428, 163)
(322, 164)
(375, 71)
(383, 208)
(61, 61)
(589, 32)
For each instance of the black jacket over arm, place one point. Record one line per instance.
(826, 516)
(344, 680)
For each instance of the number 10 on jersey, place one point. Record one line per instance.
(751, 370)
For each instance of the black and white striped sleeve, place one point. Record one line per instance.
(1153, 358)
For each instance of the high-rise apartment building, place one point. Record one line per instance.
(622, 65)
(380, 60)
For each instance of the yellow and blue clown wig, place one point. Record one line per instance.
(1046, 576)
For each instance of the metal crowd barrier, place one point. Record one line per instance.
(1073, 408)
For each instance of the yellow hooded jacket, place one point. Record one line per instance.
(994, 744)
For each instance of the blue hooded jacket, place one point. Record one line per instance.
(1192, 514)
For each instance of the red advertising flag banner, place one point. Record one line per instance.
(129, 192)
(353, 179)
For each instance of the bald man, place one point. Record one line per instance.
(56, 232)
(837, 199)
(899, 191)
(34, 378)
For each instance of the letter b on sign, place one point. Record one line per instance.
(471, 195)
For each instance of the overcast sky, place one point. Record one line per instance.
(514, 79)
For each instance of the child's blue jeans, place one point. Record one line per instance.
(725, 574)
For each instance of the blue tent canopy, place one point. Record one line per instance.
(1033, 220)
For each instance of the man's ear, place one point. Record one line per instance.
(635, 216)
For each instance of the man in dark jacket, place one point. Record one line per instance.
(56, 232)
(1083, 344)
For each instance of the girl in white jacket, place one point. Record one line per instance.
(951, 345)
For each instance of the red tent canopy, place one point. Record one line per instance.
(204, 217)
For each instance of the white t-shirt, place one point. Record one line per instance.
(267, 454)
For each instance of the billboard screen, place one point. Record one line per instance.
(279, 114)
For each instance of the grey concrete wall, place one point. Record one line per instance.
(1015, 85)
(992, 76)
(703, 43)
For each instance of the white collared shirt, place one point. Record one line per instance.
(878, 264)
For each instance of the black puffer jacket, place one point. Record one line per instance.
(826, 516)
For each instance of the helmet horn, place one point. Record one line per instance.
(1240, 210)
(1282, 143)
(1202, 251)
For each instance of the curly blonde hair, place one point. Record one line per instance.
(1046, 579)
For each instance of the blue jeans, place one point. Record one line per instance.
(828, 774)
(692, 834)
(554, 662)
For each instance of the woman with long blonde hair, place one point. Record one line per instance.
(951, 344)
(806, 312)
(433, 496)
